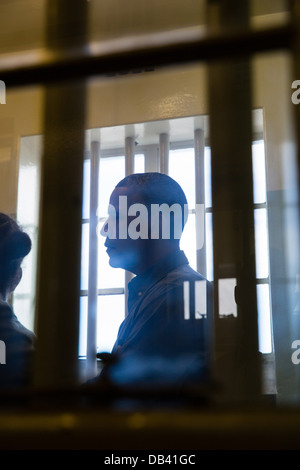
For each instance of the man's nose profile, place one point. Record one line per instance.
(104, 229)
(108, 228)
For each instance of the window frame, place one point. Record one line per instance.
(152, 163)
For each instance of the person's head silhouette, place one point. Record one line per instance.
(146, 217)
(14, 246)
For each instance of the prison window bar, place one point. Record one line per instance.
(129, 169)
(195, 299)
(199, 146)
(93, 256)
(93, 292)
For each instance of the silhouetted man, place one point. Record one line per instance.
(164, 338)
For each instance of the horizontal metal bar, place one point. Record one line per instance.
(108, 291)
(138, 52)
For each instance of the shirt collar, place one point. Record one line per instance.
(5, 309)
(157, 271)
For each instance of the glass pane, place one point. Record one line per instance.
(207, 168)
(142, 103)
(267, 14)
(111, 312)
(182, 169)
(110, 18)
(139, 163)
(27, 217)
(209, 247)
(86, 189)
(259, 172)
(108, 276)
(227, 304)
(188, 241)
(83, 327)
(20, 30)
(277, 226)
(112, 170)
(264, 318)
(24, 310)
(261, 243)
(85, 256)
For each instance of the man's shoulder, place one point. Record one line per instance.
(176, 281)
(12, 331)
(183, 273)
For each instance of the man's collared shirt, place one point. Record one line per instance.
(19, 342)
(162, 318)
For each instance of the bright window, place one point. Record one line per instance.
(27, 216)
(111, 282)
(181, 168)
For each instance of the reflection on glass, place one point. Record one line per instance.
(84, 256)
(82, 327)
(139, 163)
(259, 172)
(188, 241)
(86, 189)
(107, 276)
(227, 304)
(264, 318)
(182, 169)
(111, 312)
(112, 170)
(199, 300)
(207, 169)
(23, 308)
(261, 243)
(27, 216)
(209, 246)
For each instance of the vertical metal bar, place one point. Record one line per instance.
(129, 155)
(284, 218)
(129, 169)
(233, 221)
(296, 56)
(93, 257)
(164, 152)
(199, 143)
(295, 13)
(59, 257)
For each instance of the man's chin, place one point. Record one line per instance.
(119, 261)
(114, 262)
